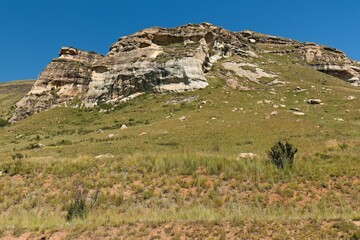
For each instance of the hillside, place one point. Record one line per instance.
(166, 166)
(10, 93)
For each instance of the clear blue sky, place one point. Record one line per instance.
(32, 31)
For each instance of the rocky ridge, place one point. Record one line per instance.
(160, 60)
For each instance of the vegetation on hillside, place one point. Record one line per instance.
(168, 176)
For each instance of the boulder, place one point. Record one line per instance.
(246, 156)
(103, 156)
(313, 101)
(274, 113)
(182, 118)
(299, 113)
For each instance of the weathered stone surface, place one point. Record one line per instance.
(347, 72)
(247, 70)
(63, 79)
(253, 37)
(152, 60)
(331, 61)
(234, 84)
(321, 58)
(160, 60)
(319, 53)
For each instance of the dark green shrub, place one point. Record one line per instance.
(282, 154)
(355, 236)
(77, 207)
(3, 122)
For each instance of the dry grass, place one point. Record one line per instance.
(166, 171)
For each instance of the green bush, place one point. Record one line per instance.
(282, 154)
(77, 208)
(3, 122)
(355, 236)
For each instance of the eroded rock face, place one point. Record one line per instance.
(63, 78)
(152, 60)
(319, 57)
(349, 73)
(159, 60)
(319, 53)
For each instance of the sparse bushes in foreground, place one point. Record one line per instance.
(78, 207)
(282, 154)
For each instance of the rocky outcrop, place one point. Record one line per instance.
(319, 57)
(315, 53)
(349, 73)
(159, 60)
(152, 60)
(254, 37)
(63, 79)
(331, 61)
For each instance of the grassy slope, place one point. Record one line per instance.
(185, 172)
(10, 93)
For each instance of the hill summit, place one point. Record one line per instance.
(159, 60)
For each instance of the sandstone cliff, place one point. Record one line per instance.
(161, 60)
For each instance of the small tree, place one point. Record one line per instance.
(282, 154)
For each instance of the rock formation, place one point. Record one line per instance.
(162, 60)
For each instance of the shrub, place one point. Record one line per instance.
(17, 156)
(282, 154)
(77, 208)
(355, 236)
(3, 122)
(12, 169)
(34, 146)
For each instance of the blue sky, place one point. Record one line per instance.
(32, 31)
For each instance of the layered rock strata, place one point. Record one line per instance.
(159, 60)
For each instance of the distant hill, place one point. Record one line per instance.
(11, 93)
